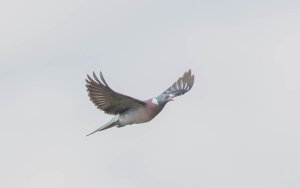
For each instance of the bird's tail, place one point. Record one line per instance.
(113, 122)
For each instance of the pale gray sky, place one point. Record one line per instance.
(238, 127)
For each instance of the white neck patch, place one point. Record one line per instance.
(154, 101)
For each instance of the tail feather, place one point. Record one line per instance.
(108, 125)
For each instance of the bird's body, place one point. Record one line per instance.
(128, 110)
(140, 115)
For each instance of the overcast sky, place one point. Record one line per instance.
(238, 127)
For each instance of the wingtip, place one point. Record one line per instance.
(192, 81)
(87, 75)
(189, 78)
(103, 80)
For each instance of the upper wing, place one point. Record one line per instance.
(182, 85)
(106, 99)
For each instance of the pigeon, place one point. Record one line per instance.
(128, 110)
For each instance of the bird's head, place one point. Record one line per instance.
(162, 99)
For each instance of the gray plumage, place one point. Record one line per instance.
(183, 85)
(128, 110)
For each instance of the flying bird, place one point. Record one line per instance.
(128, 110)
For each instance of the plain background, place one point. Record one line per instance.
(238, 127)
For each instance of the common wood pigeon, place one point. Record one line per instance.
(128, 110)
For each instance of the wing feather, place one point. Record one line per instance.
(108, 100)
(182, 85)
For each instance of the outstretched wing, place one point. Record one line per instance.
(182, 85)
(108, 100)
